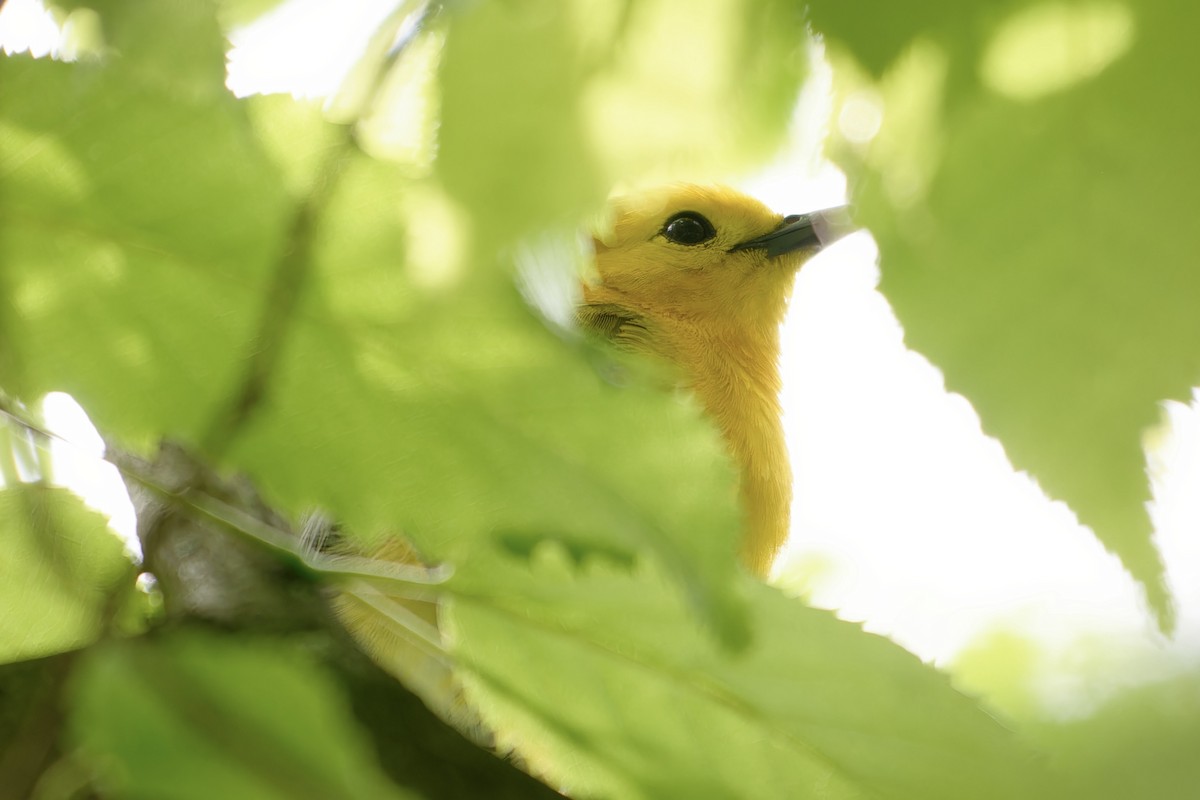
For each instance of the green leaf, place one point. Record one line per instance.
(296, 136)
(654, 90)
(688, 91)
(604, 682)
(243, 12)
(1141, 743)
(60, 570)
(141, 37)
(511, 143)
(1040, 250)
(139, 215)
(191, 716)
(877, 31)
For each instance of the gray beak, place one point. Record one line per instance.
(803, 231)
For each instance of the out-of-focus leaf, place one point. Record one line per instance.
(403, 124)
(606, 683)
(30, 713)
(60, 569)
(139, 216)
(578, 95)
(295, 134)
(511, 144)
(877, 31)
(682, 91)
(145, 36)
(1141, 744)
(204, 716)
(243, 12)
(1037, 243)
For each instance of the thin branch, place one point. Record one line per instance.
(291, 275)
(294, 267)
(402, 580)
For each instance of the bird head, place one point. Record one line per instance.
(688, 260)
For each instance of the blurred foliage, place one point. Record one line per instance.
(1021, 166)
(121, 286)
(192, 716)
(60, 573)
(1141, 744)
(330, 308)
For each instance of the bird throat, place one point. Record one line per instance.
(737, 380)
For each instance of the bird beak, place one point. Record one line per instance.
(803, 231)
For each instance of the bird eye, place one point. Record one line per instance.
(688, 227)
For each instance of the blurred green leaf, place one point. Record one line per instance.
(1141, 744)
(296, 136)
(1001, 665)
(878, 31)
(191, 716)
(60, 570)
(609, 686)
(243, 12)
(139, 215)
(144, 36)
(511, 142)
(1040, 250)
(688, 91)
(546, 105)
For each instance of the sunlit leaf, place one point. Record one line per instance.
(242, 12)
(688, 91)
(59, 573)
(1037, 245)
(661, 90)
(607, 684)
(511, 142)
(139, 217)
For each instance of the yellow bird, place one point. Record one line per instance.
(700, 276)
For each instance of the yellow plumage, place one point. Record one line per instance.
(698, 277)
(712, 308)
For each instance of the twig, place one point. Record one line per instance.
(403, 580)
(294, 266)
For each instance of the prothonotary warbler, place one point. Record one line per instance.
(700, 276)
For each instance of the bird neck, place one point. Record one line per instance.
(737, 379)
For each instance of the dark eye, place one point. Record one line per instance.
(688, 227)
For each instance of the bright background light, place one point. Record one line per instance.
(906, 516)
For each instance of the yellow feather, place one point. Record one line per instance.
(712, 309)
(715, 314)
